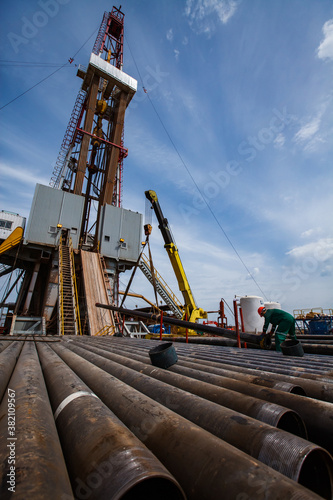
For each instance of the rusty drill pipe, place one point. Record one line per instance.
(318, 387)
(269, 413)
(312, 388)
(265, 360)
(317, 415)
(222, 332)
(40, 471)
(205, 466)
(109, 461)
(271, 383)
(3, 345)
(249, 435)
(8, 359)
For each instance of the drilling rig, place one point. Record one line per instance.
(78, 237)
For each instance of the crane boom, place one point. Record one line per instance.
(191, 311)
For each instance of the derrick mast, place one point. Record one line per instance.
(91, 157)
(78, 237)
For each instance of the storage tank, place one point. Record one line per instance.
(272, 305)
(250, 304)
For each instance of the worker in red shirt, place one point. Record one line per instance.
(283, 324)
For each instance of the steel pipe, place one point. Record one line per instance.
(205, 466)
(105, 460)
(297, 385)
(316, 414)
(8, 358)
(219, 341)
(222, 332)
(318, 386)
(32, 446)
(281, 385)
(3, 345)
(249, 435)
(269, 413)
(318, 349)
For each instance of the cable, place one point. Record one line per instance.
(31, 64)
(36, 84)
(51, 74)
(194, 182)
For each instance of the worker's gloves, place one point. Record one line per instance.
(265, 341)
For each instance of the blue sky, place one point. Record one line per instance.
(234, 133)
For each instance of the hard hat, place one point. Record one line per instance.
(261, 310)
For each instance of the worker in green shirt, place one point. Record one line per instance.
(282, 322)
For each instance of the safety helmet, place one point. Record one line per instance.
(261, 310)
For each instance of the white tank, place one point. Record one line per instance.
(272, 305)
(253, 323)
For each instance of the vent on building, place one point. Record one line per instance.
(5, 224)
(53, 229)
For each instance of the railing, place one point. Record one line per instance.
(163, 283)
(312, 313)
(59, 171)
(61, 326)
(76, 298)
(105, 330)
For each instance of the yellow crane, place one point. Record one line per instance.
(13, 239)
(190, 310)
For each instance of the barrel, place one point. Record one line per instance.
(164, 355)
(292, 348)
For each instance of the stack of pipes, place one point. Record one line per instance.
(95, 419)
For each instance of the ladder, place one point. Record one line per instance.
(59, 171)
(162, 288)
(68, 312)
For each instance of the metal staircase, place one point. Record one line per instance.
(69, 316)
(63, 159)
(162, 288)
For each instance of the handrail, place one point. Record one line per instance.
(61, 292)
(163, 283)
(106, 329)
(76, 298)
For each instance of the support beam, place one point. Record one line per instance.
(88, 123)
(112, 162)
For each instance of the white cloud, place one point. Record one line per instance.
(176, 52)
(307, 233)
(22, 175)
(203, 13)
(325, 49)
(320, 250)
(169, 35)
